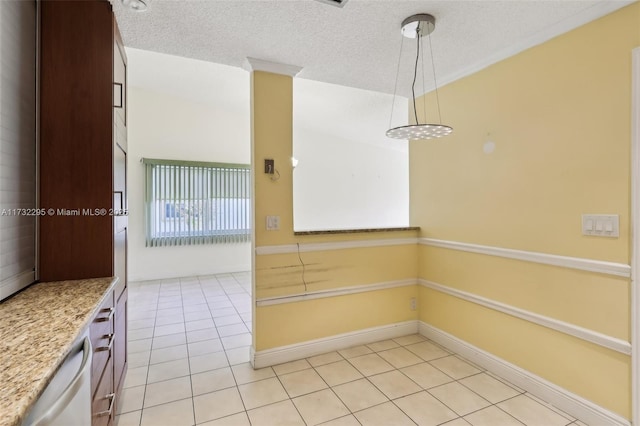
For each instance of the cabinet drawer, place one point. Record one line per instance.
(101, 333)
(103, 401)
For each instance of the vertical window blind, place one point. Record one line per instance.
(188, 202)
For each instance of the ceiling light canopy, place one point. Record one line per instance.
(136, 5)
(416, 27)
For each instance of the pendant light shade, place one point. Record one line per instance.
(416, 27)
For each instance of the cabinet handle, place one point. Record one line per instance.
(107, 318)
(112, 398)
(109, 346)
(120, 87)
(120, 207)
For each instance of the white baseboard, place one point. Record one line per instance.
(166, 275)
(309, 348)
(561, 398)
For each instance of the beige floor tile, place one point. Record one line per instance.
(359, 395)
(199, 324)
(424, 409)
(228, 320)
(214, 405)
(171, 353)
(139, 359)
(394, 384)
(458, 398)
(169, 319)
(355, 351)
(207, 362)
(129, 419)
(455, 367)
(164, 330)
(531, 412)
(491, 416)
(324, 359)
(291, 367)
(427, 350)
(244, 373)
(319, 407)
(178, 413)
(136, 377)
(131, 399)
(383, 415)
(169, 340)
(338, 372)
(551, 407)
(383, 345)
(426, 375)
(489, 388)
(211, 381)
(349, 420)
(370, 364)
(409, 339)
(139, 345)
(168, 370)
(203, 334)
(222, 312)
(140, 334)
(205, 347)
(263, 392)
(302, 382)
(239, 419)
(281, 414)
(142, 323)
(400, 357)
(232, 329)
(238, 355)
(167, 391)
(458, 422)
(197, 315)
(231, 342)
(200, 307)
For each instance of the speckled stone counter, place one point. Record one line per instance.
(37, 329)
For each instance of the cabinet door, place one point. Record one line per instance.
(120, 218)
(120, 344)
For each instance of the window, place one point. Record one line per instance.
(190, 202)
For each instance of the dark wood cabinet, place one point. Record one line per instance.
(83, 170)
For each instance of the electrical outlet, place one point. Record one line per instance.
(412, 303)
(273, 223)
(269, 166)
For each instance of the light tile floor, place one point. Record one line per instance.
(188, 365)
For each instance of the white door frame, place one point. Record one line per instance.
(635, 236)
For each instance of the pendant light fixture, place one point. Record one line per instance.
(135, 5)
(416, 27)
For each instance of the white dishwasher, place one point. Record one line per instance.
(66, 401)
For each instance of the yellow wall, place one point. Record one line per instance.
(559, 114)
(282, 274)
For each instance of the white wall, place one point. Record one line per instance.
(183, 109)
(349, 174)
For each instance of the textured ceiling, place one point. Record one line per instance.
(357, 45)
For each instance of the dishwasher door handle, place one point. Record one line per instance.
(82, 375)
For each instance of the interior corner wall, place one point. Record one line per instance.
(385, 273)
(170, 127)
(559, 115)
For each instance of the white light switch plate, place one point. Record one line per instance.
(601, 225)
(273, 223)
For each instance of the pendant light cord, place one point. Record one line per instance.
(415, 74)
(435, 83)
(395, 87)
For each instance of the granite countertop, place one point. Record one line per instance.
(38, 326)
